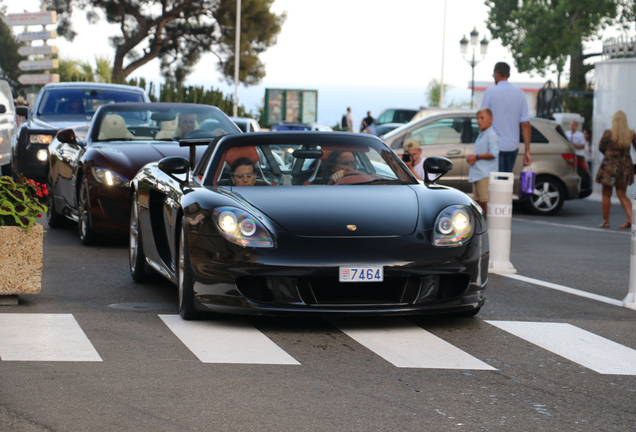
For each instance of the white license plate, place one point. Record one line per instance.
(362, 274)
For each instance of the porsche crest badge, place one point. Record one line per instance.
(352, 227)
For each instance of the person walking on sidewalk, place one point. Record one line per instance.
(509, 108)
(617, 168)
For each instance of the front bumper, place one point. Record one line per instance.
(418, 278)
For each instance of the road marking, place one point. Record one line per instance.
(605, 230)
(587, 349)
(565, 289)
(44, 337)
(406, 345)
(227, 342)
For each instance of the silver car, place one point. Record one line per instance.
(452, 134)
(7, 126)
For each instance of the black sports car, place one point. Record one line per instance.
(307, 222)
(90, 168)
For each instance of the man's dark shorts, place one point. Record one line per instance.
(507, 160)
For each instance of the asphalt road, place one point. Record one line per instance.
(511, 368)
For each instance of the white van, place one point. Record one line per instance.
(7, 126)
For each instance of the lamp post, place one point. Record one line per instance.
(237, 57)
(463, 46)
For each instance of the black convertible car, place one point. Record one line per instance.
(90, 167)
(307, 222)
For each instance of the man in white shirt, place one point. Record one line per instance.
(509, 108)
(577, 139)
(349, 117)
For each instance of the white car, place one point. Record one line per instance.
(246, 124)
(7, 126)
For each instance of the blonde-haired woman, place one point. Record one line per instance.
(617, 168)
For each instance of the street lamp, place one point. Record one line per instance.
(463, 49)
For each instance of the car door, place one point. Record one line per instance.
(443, 137)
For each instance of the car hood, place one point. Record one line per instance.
(333, 211)
(59, 122)
(128, 158)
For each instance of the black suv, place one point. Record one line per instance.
(58, 106)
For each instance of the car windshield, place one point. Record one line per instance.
(69, 102)
(303, 164)
(160, 122)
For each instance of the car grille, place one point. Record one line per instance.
(328, 291)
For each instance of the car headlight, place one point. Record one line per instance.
(241, 228)
(40, 139)
(454, 226)
(110, 178)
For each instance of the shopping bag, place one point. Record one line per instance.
(526, 183)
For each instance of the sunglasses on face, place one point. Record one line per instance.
(187, 121)
(247, 176)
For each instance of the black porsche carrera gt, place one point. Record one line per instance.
(307, 222)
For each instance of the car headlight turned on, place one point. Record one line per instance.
(241, 228)
(110, 178)
(41, 139)
(454, 226)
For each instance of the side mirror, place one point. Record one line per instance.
(3, 109)
(67, 136)
(436, 165)
(175, 165)
(22, 111)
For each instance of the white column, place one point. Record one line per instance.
(500, 222)
(630, 300)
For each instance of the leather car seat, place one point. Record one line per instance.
(114, 127)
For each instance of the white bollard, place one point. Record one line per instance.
(500, 222)
(630, 300)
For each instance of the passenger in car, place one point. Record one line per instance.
(243, 172)
(187, 123)
(337, 164)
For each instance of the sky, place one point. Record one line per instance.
(365, 54)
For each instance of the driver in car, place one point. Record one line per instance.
(187, 123)
(337, 164)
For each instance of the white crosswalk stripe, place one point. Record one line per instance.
(406, 345)
(59, 337)
(44, 337)
(227, 342)
(587, 349)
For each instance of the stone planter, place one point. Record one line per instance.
(21, 260)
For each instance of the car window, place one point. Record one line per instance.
(535, 136)
(64, 102)
(442, 131)
(386, 117)
(403, 116)
(288, 164)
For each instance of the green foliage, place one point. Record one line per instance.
(434, 91)
(542, 33)
(177, 92)
(179, 32)
(18, 206)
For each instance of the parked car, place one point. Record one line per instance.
(246, 124)
(396, 115)
(452, 134)
(386, 128)
(7, 126)
(58, 106)
(91, 167)
(293, 244)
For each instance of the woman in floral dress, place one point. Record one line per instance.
(617, 168)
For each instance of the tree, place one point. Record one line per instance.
(542, 34)
(433, 92)
(178, 32)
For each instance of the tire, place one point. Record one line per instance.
(86, 233)
(5, 170)
(137, 258)
(53, 218)
(184, 278)
(548, 196)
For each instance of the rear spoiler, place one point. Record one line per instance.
(194, 142)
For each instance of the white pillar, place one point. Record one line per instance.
(500, 222)
(630, 300)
